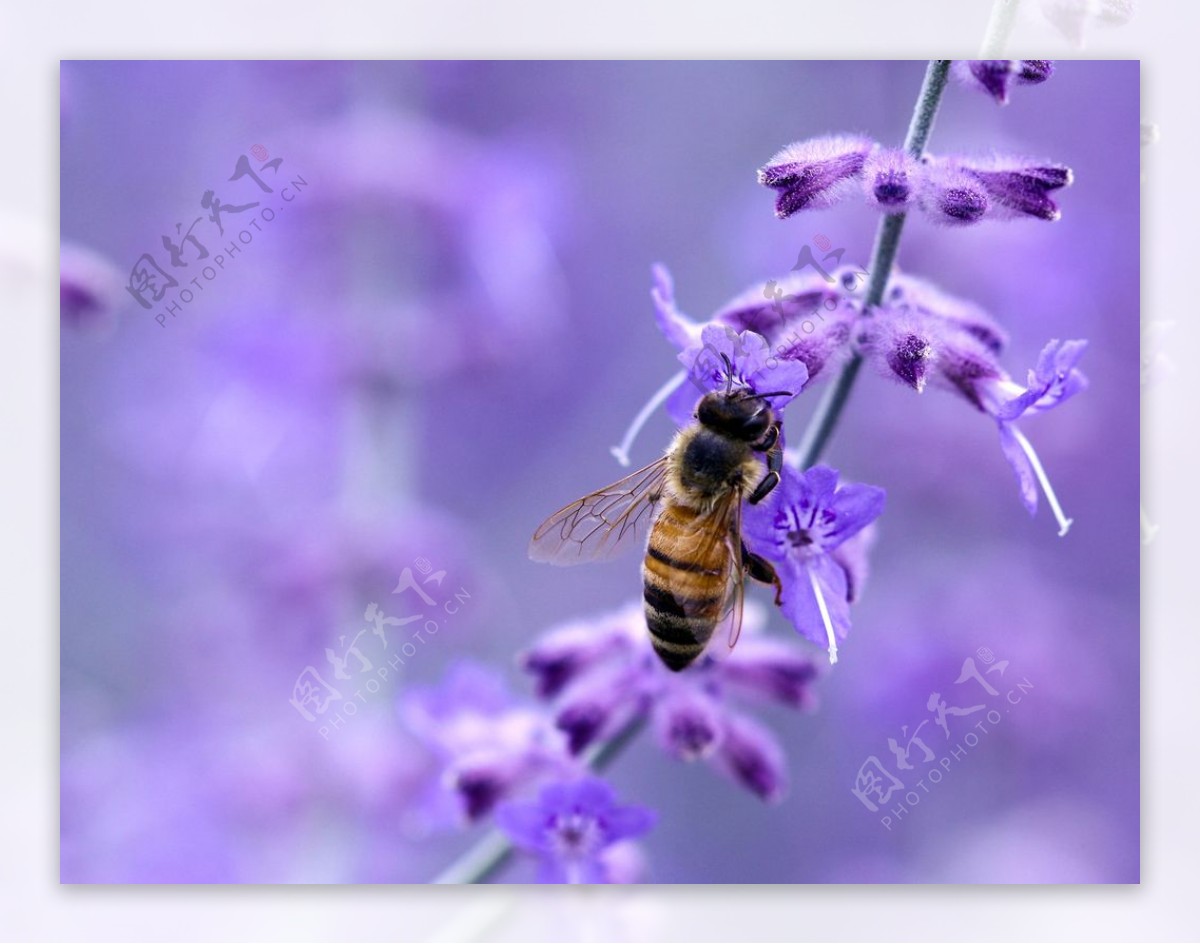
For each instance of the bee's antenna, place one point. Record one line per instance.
(763, 396)
(728, 374)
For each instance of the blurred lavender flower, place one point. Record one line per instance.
(488, 285)
(814, 174)
(572, 828)
(800, 527)
(1072, 17)
(89, 287)
(996, 76)
(487, 744)
(602, 676)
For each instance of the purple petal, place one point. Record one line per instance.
(968, 368)
(888, 178)
(681, 404)
(752, 756)
(989, 75)
(1034, 71)
(562, 655)
(626, 822)
(676, 327)
(1053, 381)
(598, 705)
(1018, 187)
(481, 786)
(798, 604)
(901, 347)
(853, 507)
(1021, 466)
(816, 487)
(754, 366)
(688, 722)
(853, 556)
(590, 795)
(770, 669)
(949, 194)
(819, 343)
(624, 863)
(767, 308)
(89, 287)
(526, 824)
(918, 297)
(812, 174)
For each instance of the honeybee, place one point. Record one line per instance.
(690, 500)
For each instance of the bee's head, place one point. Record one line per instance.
(738, 415)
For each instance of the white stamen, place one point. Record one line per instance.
(829, 636)
(1064, 523)
(621, 452)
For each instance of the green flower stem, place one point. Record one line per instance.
(883, 255)
(490, 853)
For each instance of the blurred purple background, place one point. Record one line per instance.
(434, 344)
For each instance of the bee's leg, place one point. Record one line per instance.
(773, 448)
(770, 438)
(761, 570)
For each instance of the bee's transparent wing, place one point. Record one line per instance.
(737, 579)
(601, 525)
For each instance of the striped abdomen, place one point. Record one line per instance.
(686, 578)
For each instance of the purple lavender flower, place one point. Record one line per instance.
(902, 346)
(1054, 380)
(803, 315)
(919, 333)
(752, 757)
(996, 76)
(950, 194)
(89, 287)
(961, 191)
(755, 367)
(909, 295)
(889, 178)
(956, 191)
(692, 713)
(806, 519)
(486, 743)
(571, 826)
(806, 319)
(814, 174)
(1019, 187)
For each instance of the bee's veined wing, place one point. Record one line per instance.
(601, 525)
(737, 582)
